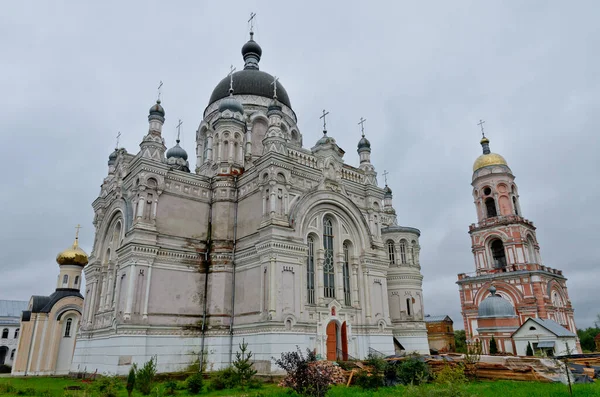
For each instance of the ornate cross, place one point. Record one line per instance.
(231, 70)
(159, 86)
(324, 122)
(77, 231)
(179, 129)
(251, 21)
(385, 174)
(362, 125)
(274, 83)
(481, 125)
(118, 136)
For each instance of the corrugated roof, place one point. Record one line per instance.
(12, 308)
(553, 327)
(436, 319)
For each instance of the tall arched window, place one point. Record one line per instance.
(346, 271)
(391, 252)
(498, 254)
(310, 271)
(328, 266)
(531, 250)
(76, 280)
(17, 333)
(65, 279)
(408, 307)
(515, 206)
(12, 354)
(68, 327)
(490, 206)
(403, 252)
(5, 333)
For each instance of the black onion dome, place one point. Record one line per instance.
(177, 152)
(364, 143)
(251, 48)
(250, 82)
(230, 103)
(157, 109)
(387, 191)
(112, 158)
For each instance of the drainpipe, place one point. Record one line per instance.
(235, 216)
(206, 266)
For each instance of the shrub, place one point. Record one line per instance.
(529, 351)
(412, 371)
(107, 386)
(145, 376)
(493, 346)
(194, 383)
(131, 380)
(243, 366)
(223, 379)
(451, 375)
(170, 387)
(375, 379)
(307, 376)
(6, 388)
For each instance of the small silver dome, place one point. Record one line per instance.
(157, 109)
(230, 103)
(387, 192)
(364, 143)
(112, 158)
(495, 306)
(177, 152)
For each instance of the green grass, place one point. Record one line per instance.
(54, 387)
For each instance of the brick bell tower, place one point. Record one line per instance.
(507, 253)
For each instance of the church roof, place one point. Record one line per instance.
(250, 82)
(495, 306)
(9, 308)
(437, 319)
(551, 326)
(44, 304)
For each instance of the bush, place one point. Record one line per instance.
(145, 377)
(307, 376)
(493, 346)
(376, 378)
(107, 386)
(6, 388)
(194, 383)
(529, 351)
(451, 375)
(223, 379)
(170, 387)
(412, 371)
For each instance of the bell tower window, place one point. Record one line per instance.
(490, 206)
(498, 254)
(515, 206)
(391, 252)
(328, 266)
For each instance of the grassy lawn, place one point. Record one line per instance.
(55, 387)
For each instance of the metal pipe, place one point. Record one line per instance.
(206, 266)
(235, 216)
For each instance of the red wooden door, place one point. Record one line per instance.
(331, 341)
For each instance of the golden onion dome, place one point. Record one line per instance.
(72, 256)
(488, 159)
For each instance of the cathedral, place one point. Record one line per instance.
(261, 239)
(510, 283)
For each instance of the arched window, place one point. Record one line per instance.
(68, 328)
(310, 271)
(17, 333)
(515, 206)
(391, 252)
(5, 333)
(490, 206)
(403, 252)
(76, 280)
(346, 275)
(65, 279)
(498, 254)
(328, 266)
(408, 309)
(12, 354)
(531, 250)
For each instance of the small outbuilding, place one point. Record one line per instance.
(546, 336)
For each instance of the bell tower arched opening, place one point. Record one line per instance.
(498, 254)
(490, 206)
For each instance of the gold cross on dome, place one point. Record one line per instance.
(77, 231)
(481, 122)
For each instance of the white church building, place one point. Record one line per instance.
(264, 240)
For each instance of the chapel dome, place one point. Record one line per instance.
(232, 104)
(364, 143)
(177, 152)
(157, 109)
(488, 158)
(387, 192)
(495, 306)
(72, 256)
(250, 80)
(112, 158)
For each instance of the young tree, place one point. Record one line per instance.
(529, 351)
(493, 346)
(243, 366)
(460, 341)
(131, 380)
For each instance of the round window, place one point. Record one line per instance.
(487, 191)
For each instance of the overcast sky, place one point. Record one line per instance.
(73, 74)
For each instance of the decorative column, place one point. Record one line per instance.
(339, 275)
(367, 281)
(320, 277)
(130, 286)
(147, 297)
(356, 301)
(249, 142)
(272, 286)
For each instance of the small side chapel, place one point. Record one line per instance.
(262, 239)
